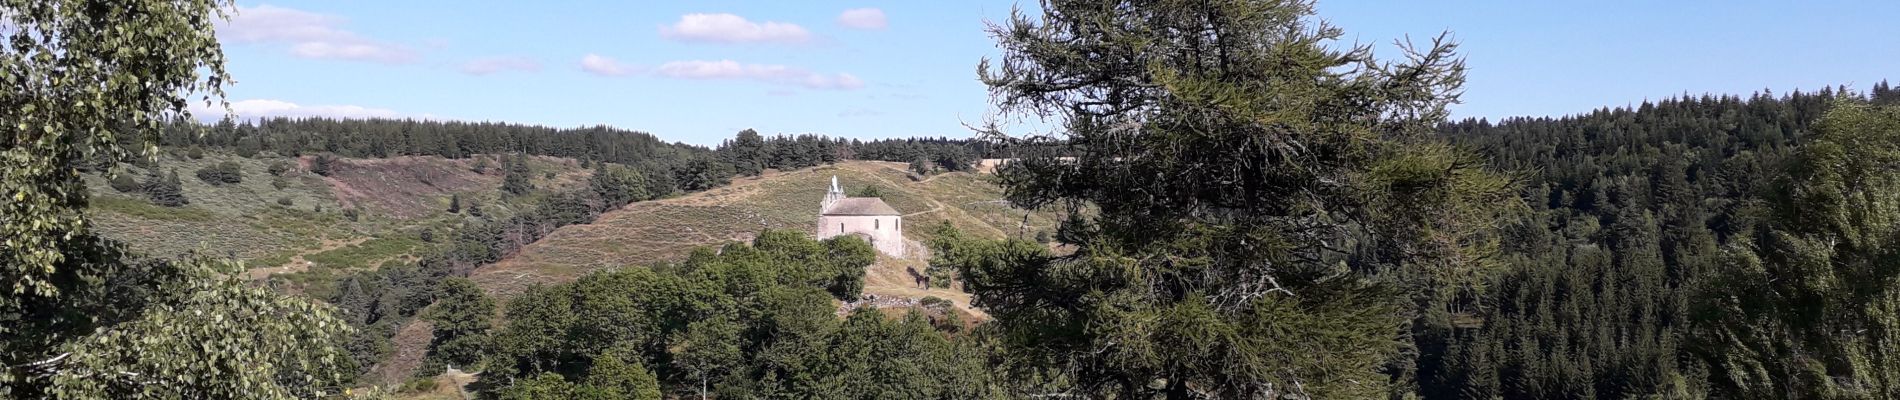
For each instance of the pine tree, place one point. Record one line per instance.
(1248, 237)
(516, 180)
(166, 190)
(1808, 305)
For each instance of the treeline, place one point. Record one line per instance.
(751, 153)
(689, 168)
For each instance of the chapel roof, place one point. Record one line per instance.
(859, 206)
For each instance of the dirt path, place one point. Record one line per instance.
(297, 262)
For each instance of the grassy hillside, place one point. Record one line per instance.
(394, 201)
(654, 231)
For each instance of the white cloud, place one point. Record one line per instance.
(863, 18)
(604, 66)
(769, 73)
(267, 108)
(728, 28)
(309, 35)
(491, 65)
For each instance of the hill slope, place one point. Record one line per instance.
(656, 231)
(287, 223)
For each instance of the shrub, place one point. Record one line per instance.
(323, 164)
(166, 190)
(351, 213)
(279, 183)
(248, 147)
(279, 168)
(427, 235)
(420, 384)
(223, 173)
(285, 201)
(125, 184)
(195, 153)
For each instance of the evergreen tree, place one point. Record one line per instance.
(166, 190)
(1809, 303)
(1250, 238)
(746, 153)
(515, 182)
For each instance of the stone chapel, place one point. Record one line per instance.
(867, 217)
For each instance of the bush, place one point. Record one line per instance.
(279, 183)
(427, 235)
(125, 184)
(323, 164)
(279, 168)
(223, 173)
(195, 153)
(166, 190)
(420, 384)
(248, 148)
(285, 201)
(351, 213)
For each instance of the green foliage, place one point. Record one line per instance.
(868, 191)
(708, 351)
(420, 384)
(285, 201)
(617, 185)
(746, 152)
(919, 167)
(1303, 201)
(165, 190)
(701, 174)
(546, 386)
(218, 338)
(224, 173)
(515, 182)
(744, 322)
(616, 377)
(279, 168)
(462, 315)
(1607, 271)
(1808, 305)
(323, 164)
(125, 184)
(195, 153)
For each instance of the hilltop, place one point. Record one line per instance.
(647, 232)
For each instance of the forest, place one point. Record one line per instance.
(1253, 211)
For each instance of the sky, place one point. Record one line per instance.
(698, 72)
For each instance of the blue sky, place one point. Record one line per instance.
(699, 71)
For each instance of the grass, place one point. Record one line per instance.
(368, 254)
(140, 208)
